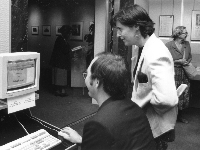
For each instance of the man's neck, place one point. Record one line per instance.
(101, 98)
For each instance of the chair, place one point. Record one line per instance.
(181, 78)
(181, 89)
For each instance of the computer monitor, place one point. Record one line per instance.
(19, 73)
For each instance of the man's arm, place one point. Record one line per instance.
(96, 137)
(70, 135)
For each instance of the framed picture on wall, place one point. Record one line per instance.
(195, 34)
(35, 30)
(166, 23)
(77, 33)
(46, 30)
(58, 30)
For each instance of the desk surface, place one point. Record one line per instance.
(10, 128)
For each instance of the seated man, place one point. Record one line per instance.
(119, 123)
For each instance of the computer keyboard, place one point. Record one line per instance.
(39, 140)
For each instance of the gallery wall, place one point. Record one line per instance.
(56, 13)
(182, 11)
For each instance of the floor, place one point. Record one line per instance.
(62, 111)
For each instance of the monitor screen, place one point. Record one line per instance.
(21, 73)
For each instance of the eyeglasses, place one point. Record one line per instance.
(84, 75)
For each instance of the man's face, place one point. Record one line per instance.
(91, 85)
(127, 34)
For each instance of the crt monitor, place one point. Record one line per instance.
(19, 73)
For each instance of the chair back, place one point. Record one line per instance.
(181, 89)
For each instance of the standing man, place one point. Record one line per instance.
(119, 124)
(154, 86)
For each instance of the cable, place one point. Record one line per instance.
(21, 124)
(70, 147)
(45, 125)
(58, 129)
(40, 121)
(80, 120)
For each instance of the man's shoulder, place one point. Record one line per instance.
(119, 110)
(114, 105)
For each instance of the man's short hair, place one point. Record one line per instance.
(134, 16)
(112, 73)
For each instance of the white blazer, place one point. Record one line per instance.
(157, 94)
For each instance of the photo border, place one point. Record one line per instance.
(166, 23)
(46, 27)
(35, 32)
(74, 25)
(57, 29)
(195, 31)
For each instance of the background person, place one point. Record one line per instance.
(181, 52)
(61, 62)
(90, 47)
(184, 70)
(154, 87)
(119, 123)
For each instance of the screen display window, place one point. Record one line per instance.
(20, 74)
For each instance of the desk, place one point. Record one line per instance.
(10, 128)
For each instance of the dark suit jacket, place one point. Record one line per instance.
(118, 125)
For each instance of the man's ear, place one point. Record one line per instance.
(96, 83)
(137, 27)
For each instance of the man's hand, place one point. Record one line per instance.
(70, 135)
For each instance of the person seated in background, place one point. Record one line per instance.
(184, 70)
(119, 123)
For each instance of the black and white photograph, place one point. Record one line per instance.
(77, 33)
(100, 74)
(35, 30)
(46, 30)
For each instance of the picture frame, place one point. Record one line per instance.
(35, 30)
(58, 30)
(195, 32)
(46, 30)
(166, 23)
(77, 33)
